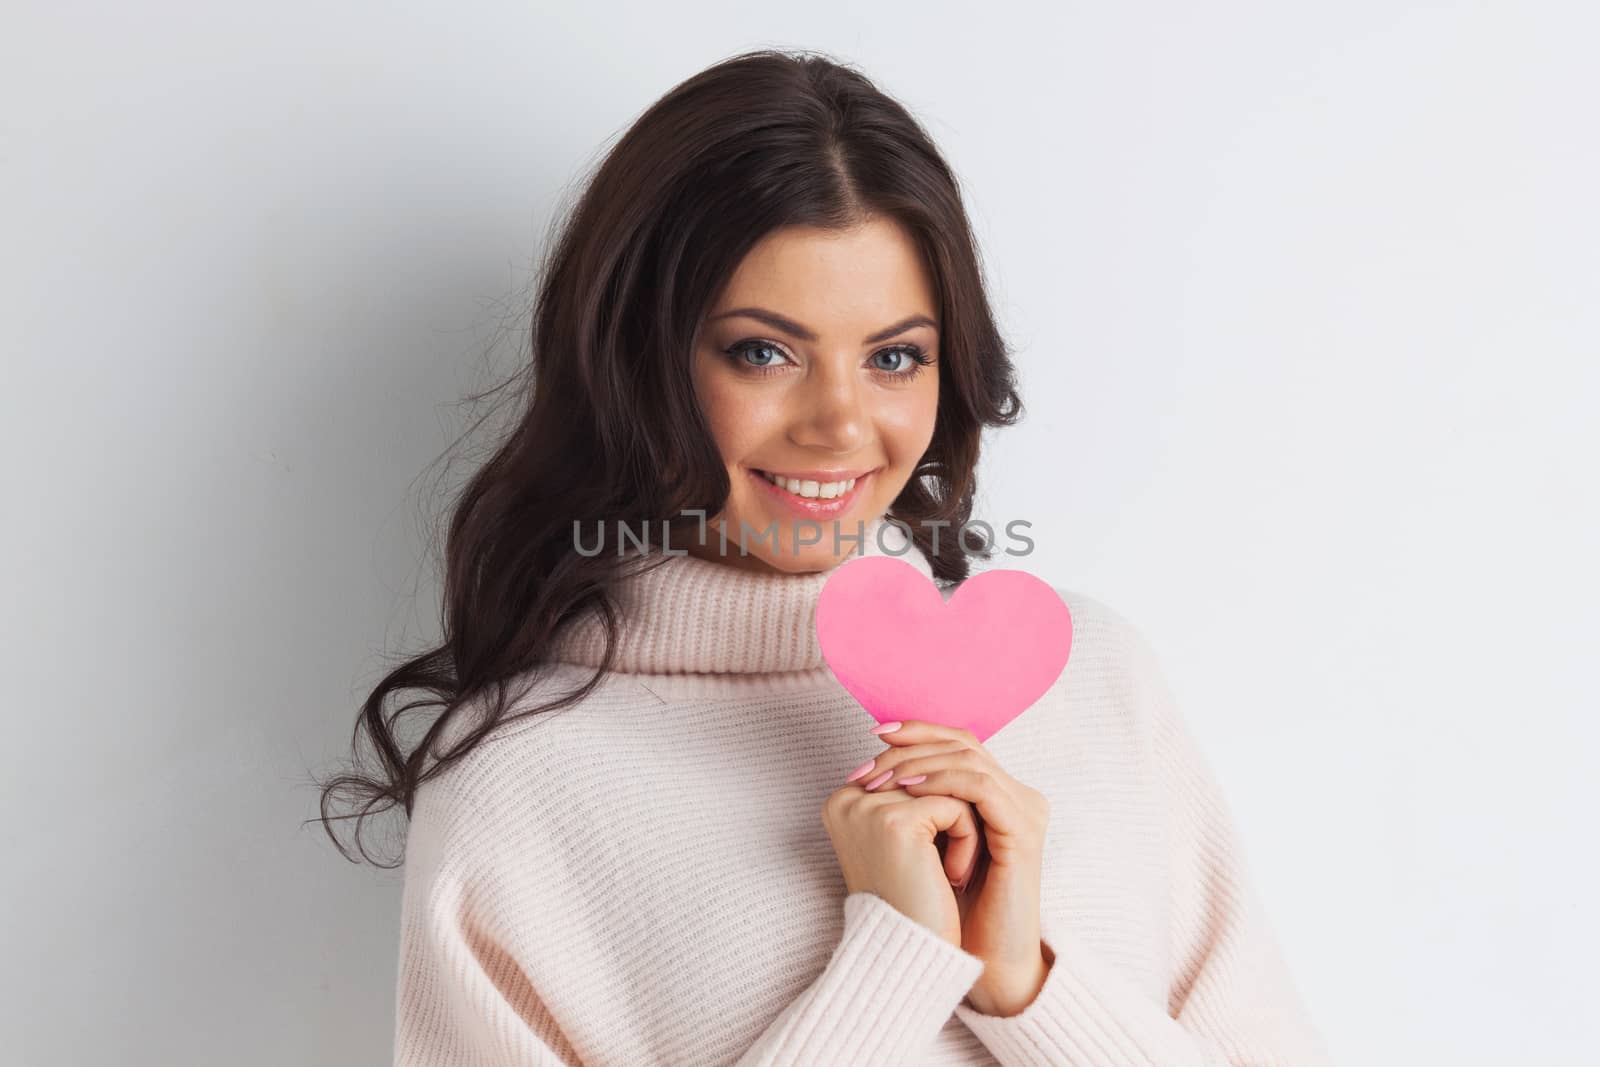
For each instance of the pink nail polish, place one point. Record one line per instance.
(914, 779)
(876, 782)
(863, 769)
(885, 728)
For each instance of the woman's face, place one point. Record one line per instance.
(807, 369)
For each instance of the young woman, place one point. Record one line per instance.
(649, 826)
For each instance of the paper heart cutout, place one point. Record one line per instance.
(977, 661)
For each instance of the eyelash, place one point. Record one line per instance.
(919, 358)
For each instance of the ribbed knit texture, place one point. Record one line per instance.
(644, 878)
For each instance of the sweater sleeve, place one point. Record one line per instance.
(882, 998)
(1230, 1001)
(462, 999)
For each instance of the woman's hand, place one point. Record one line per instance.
(887, 845)
(998, 895)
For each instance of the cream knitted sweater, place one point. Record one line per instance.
(644, 878)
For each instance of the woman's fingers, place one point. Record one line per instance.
(962, 877)
(1001, 815)
(961, 851)
(917, 733)
(953, 818)
(872, 772)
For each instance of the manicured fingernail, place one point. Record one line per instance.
(859, 771)
(886, 728)
(876, 782)
(914, 779)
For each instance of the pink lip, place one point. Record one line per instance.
(818, 508)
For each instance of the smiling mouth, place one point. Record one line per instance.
(804, 498)
(807, 489)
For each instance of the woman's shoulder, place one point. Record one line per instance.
(1100, 624)
(1112, 668)
(543, 701)
(551, 714)
(1115, 666)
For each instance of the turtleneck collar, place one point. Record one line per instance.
(687, 615)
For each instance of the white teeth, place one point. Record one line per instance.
(811, 490)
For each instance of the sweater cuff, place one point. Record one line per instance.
(1087, 1014)
(906, 979)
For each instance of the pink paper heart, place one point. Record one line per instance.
(977, 661)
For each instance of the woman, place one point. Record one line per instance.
(635, 832)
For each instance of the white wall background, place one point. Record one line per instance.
(1305, 300)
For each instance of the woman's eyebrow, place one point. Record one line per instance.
(777, 321)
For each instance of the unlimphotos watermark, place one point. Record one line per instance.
(804, 533)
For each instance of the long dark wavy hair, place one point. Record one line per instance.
(608, 428)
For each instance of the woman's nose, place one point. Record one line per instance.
(832, 412)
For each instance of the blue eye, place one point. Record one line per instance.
(765, 357)
(916, 357)
(756, 346)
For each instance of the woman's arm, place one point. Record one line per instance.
(888, 989)
(1230, 1001)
